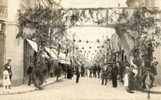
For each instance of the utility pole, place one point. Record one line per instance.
(73, 35)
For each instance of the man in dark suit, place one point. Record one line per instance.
(77, 74)
(114, 75)
(29, 72)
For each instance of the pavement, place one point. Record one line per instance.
(24, 88)
(86, 89)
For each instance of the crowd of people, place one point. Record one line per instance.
(132, 77)
(128, 75)
(106, 72)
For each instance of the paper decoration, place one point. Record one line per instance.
(98, 41)
(80, 41)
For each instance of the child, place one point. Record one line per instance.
(6, 80)
(126, 78)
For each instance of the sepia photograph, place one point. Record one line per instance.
(80, 49)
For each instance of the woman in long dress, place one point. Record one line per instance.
(6, 79)
(126, 79)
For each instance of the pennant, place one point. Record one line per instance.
(98, 41)
(83, 14)
(91, 13)
(80, 40)
(87, 41)
(94, 16)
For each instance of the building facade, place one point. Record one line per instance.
(11, 48)
(3, 20)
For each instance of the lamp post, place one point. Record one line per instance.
(73, 35)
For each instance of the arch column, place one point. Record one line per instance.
(2, 46)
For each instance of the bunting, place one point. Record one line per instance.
(87, 41)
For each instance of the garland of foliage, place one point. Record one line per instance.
(46, 23)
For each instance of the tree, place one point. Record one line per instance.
(43, 28)
(43, 25)
(138, 27)
(139, 33)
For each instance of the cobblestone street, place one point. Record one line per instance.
(86, 89)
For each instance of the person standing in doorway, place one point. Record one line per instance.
(29, 72)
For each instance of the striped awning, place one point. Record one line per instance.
(33, 45)
(51, 53)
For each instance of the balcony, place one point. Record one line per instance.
(3, 12)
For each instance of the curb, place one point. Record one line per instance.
(26, 91)
(18, 92)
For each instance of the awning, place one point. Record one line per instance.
(55, 51)
(62, 56)
(64, 61)
(52, 54)
(45, 55)
(33, 45)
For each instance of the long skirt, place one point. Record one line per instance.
(126, 80)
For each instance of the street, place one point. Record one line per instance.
(86, 89)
